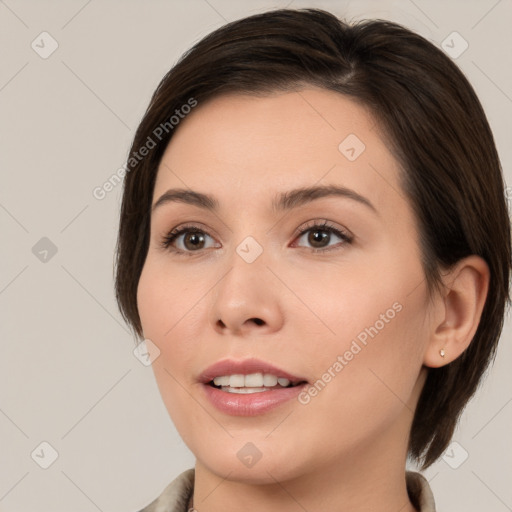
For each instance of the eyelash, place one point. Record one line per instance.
(168, 239)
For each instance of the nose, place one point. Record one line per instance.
(247, 299)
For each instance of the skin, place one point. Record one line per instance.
(345, 450)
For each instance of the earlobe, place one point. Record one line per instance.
(461, 306)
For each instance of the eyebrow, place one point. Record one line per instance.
(283, 201)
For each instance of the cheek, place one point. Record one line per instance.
(173, 316)
(166, 311)
(376, 364)
(369, 360)
(160, 309)
(164, 301)
(371, 299)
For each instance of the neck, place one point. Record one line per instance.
(368, 478)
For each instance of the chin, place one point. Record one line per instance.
(245, 461)
(262, 473)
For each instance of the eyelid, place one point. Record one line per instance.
(324, 224)
(179, 230)
(320, 224)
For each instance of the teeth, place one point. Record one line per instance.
(237, 381)
(221, 381)
(243, 390)
(269, 380)
(253, 381)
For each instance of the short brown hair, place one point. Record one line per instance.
(430, 116)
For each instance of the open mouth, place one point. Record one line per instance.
(252, 383)
(249, 387)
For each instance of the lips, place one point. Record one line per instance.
(249, 401)
(246, 367)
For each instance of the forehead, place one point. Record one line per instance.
(240, 145)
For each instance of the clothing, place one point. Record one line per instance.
(176, 495)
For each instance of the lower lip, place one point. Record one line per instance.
(250, 404)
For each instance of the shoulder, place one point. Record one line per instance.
(420, 492)
(174, 498)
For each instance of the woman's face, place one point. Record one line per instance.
(346, 313)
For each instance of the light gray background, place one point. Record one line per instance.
(68, 373)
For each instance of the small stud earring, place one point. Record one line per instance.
(441, 352)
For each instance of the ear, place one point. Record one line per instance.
(458, 311)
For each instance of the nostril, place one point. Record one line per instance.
(258, 321)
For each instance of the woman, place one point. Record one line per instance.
(316, 245)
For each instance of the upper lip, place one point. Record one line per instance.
(245, 367)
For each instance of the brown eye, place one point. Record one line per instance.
(319, 236)
(187, 239)
(193, 240)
